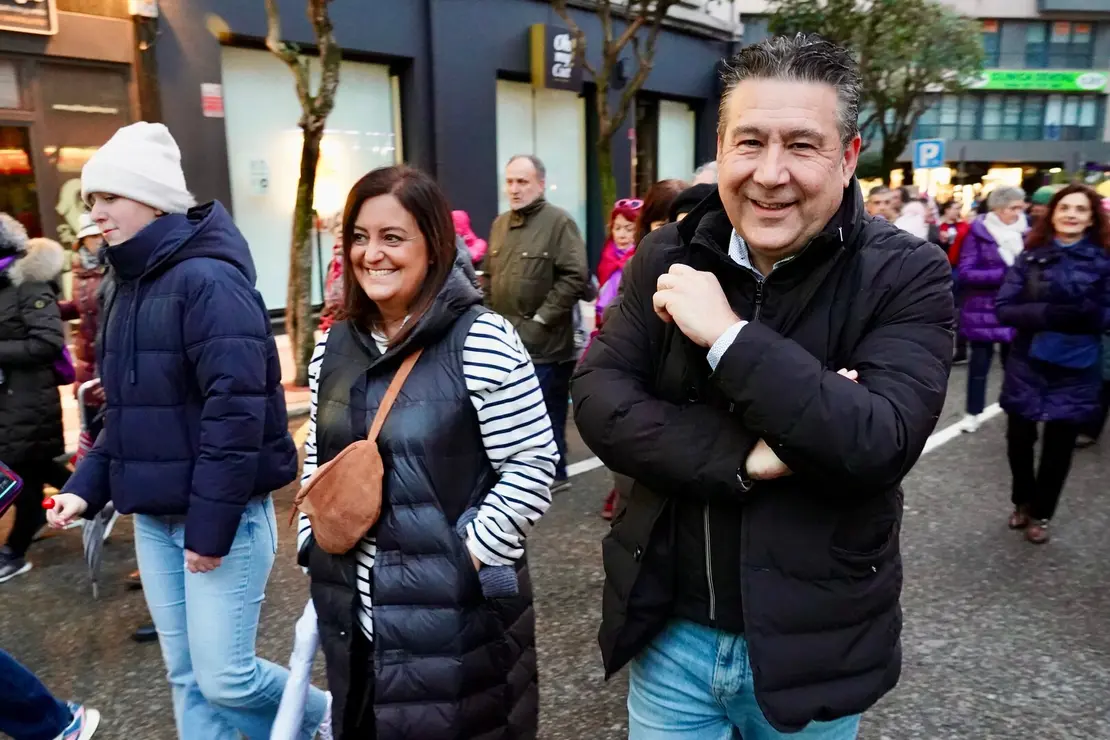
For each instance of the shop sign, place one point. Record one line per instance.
(554, 63)
(1045, 80)
(29, 16)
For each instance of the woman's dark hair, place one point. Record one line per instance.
(419, 195)
(942, 208)
(657, 205)
(1044, 232)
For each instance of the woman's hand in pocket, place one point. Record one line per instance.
(201, 563)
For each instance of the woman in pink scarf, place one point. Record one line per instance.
(474, 245)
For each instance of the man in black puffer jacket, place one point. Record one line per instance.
(753, 577)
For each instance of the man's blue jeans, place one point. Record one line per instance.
(207, 624)
(695, 683)
(28, 711)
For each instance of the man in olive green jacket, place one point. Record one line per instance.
(536, 272)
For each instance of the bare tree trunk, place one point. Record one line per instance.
(605, 173)
(299, 324)
(892, 150)
(314, 114)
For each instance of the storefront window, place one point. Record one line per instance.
(18, 191)
(949, 116)
(992, 117)
(1014, 117)
(1011, 118)
(264, 153)
(83, 107)
(1032, 118)
(1053, 117)
(927, 124)
(551, 124)
(9, 85)
(675, 155)
(969, 116)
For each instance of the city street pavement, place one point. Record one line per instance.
(1002, 639)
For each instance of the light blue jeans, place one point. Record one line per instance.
(207, 624)
(695, 683)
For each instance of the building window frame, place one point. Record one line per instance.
(992, 42)
(1059, 44)
(1013, 117)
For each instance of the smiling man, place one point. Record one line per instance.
(773, 371)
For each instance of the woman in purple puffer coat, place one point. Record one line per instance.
(992, 244)
(1057, 296)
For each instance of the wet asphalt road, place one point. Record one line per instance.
(1002, 640)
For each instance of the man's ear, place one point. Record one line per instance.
(851, 159)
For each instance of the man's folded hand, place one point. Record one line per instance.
(764, 464)
(695, 302)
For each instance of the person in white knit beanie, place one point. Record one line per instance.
(141, 163)
(199, 438)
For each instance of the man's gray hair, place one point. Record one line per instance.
(802, 58)
(878, 190)
(541, 171)
(1003, 197)
(709, 170)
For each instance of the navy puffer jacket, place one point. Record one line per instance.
(195, 423)
(1060, 292)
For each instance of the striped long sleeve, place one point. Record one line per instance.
(516, 434)
(304, 529)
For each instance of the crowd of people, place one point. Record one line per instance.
(757, 409)
(1030, 282)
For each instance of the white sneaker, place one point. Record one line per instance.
(971, 424)
(324, 732)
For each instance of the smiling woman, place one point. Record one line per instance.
(399, 249)
(468, 457)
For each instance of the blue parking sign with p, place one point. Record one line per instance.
(928, 153)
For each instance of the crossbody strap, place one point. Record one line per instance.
(391, 394)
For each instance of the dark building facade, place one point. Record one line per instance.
(441, 84)
(69, 77)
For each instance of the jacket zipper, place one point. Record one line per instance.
(705, 510)
(709, 566)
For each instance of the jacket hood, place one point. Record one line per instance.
(42, 263)
(205, 231)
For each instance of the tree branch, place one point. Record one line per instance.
(285, 52)
(330, 58)
(644, 55)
